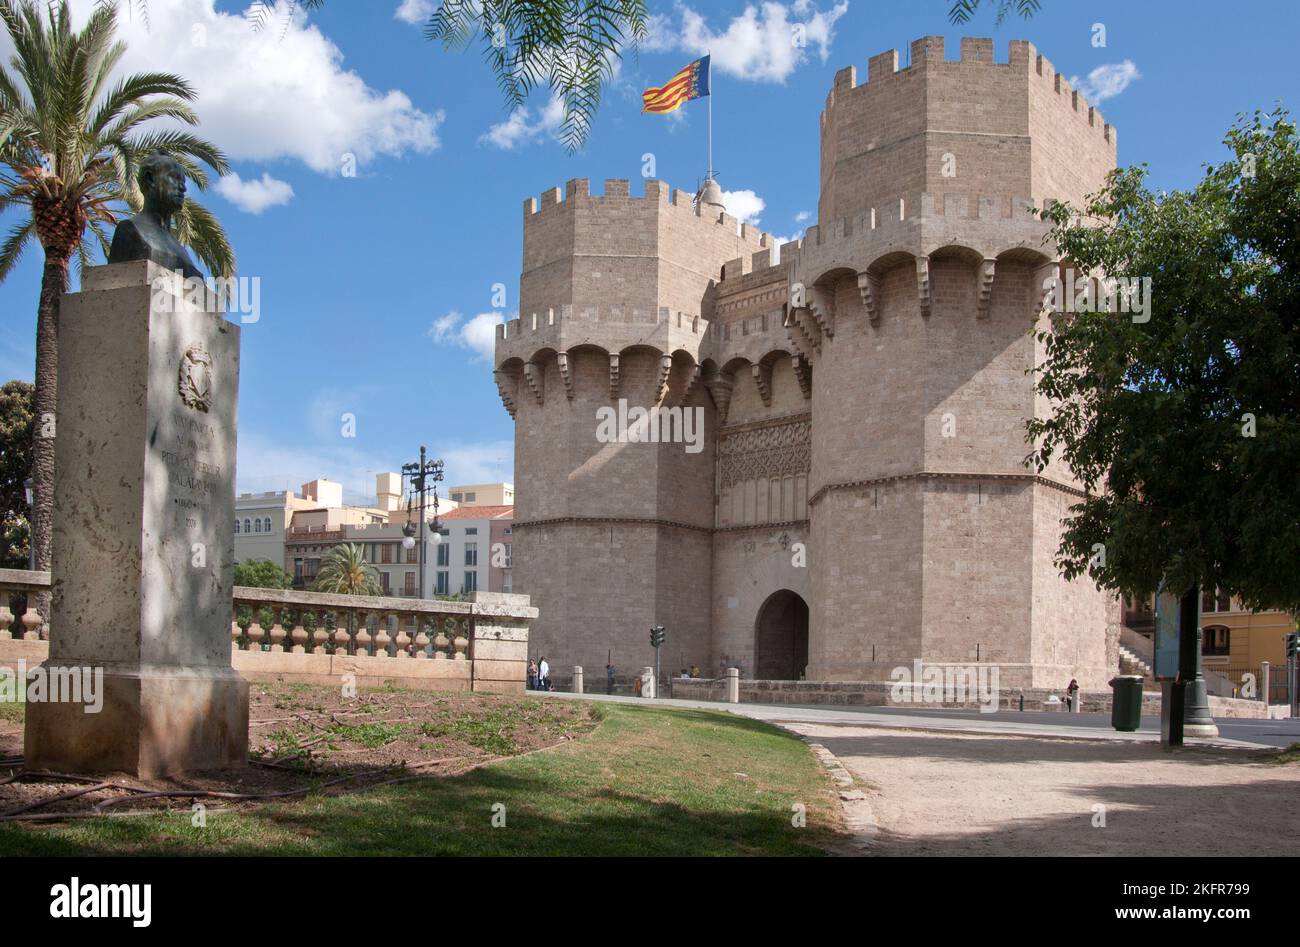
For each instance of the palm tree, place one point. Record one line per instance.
(345, 572)
(568, 46)
(962, 11)
(70, 148)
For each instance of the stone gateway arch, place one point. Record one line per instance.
(863, 396)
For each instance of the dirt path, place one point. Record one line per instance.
(956, 794)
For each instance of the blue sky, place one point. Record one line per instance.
(376, 287)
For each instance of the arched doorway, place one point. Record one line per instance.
(781, 637)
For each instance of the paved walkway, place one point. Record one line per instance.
(1241, 734)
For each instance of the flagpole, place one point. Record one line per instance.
(710, 118)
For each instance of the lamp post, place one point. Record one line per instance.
(424, 476)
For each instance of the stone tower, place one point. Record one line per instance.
(860, 499)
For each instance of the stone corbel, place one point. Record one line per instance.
(869, 290)
(506, 387)
(720, 387)
(693, 378)
(562, 363)
(984, 283)
(822, 306)
(661, 383)
(763, 379)
(923, 284)
(802, 374)
(535, 375)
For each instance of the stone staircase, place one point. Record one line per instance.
(1130, 663)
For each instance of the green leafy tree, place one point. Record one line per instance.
(15, 467)
(260, 574)
(71, 142)
(1185, 428)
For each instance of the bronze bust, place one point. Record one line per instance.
(148, 235)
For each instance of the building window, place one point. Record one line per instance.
(1212, 602)
(471, 554)
(248, 526)
(297, 571)
(266, 525)
(444, 554)
(384, 582)
(257, 525)
(386, 552)
(509, 556)
(456, 497)
(408, 587)
(507, 585)
(471, 530)
(443, 583)
(413, 554)
(469, 497)
(471, 581)
(1215, 642)
(236, 527)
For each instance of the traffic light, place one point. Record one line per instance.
(1292, 644)
(656, 635)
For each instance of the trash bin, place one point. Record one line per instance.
(1126, 703)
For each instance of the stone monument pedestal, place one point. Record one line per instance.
(143, 545)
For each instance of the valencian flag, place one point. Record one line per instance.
(692, 82)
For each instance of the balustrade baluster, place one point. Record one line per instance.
(342, 638)
(299, 634)
(254, 633)
(440, 640)
(277, 629)
(363, 633)
(421, 636)
(6, 616)
(402, 642)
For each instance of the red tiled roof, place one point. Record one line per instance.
(478, 513)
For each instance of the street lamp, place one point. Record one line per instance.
(424, 477)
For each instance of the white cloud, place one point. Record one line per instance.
(764, 44)
(521, 127)
(254, 195)
(803, 217)
(745, 206)
(1106, 82)
(478, 334)
(281, 92)
(414, 11)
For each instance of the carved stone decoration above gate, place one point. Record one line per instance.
(765, 449)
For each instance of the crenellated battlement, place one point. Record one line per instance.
(977, 53)
(658, 198)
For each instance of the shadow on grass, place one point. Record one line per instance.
(648, 781)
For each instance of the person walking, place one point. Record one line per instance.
(544, 675)
(532, 675)
(609, 679)
(1072, 694)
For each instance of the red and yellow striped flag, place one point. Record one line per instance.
(691, 82)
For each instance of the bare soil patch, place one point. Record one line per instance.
(310, 739)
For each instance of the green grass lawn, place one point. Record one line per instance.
(646, 781)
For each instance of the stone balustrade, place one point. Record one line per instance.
(28, 626)
(323, 623)
(278, 634)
